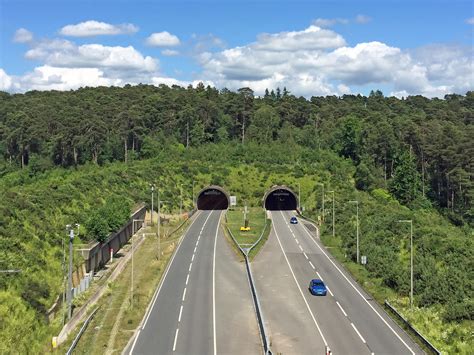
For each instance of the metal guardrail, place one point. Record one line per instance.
(81, 331)
(258, 311)
(412, 328)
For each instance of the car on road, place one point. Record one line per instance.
(317, 287)
(293, 220)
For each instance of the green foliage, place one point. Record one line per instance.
(406, 182)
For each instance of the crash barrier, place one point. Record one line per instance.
(256, 302)
(81, 331)
(412, 328)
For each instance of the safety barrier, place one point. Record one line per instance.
(258, 310)
(81, 331)
(412, 328)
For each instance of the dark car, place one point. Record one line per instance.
(317, 288)
(293, 220)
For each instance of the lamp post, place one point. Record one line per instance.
(133, 233)
(333, 215)
(357, 224)
(411, 257)
(194, 206)
(180, 200)
(299, 196)
(320, 183)
(159, 223)
(152, 190)
(69, 281)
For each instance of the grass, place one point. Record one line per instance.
(116, 320)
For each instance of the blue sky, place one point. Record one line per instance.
(312, 47)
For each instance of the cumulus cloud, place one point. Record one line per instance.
(328, 22)
(5, 81)
(470, 21)
(22, 35)
(95, 28)
(362, 19)
(163, 39)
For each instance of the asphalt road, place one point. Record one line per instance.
(204, 304)
(346, 320)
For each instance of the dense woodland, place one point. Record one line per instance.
(75, 156)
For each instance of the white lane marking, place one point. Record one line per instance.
(187, 279)
(297, 242)
(299, 288)
(317, 273)
(197, 242)
(330, 291)
(310, 263)
(360, 336)
(190, 267)
(184, 295)
(155, 297)
(180, 312)
(306, 256)
(342, 309)
(175, 339)
(360, 294)
(301, 248)
(195, 249)
(192, 258)
(214, 286)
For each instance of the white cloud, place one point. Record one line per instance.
(95, 28)
(470, 21)
(328, 22)
(162, 39)
(169, 52)
(362, 19)
(5, 81)
(22, 35)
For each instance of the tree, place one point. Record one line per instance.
(406, 182)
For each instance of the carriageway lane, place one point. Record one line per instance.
(291, 328)
(374, 327)
(189, 308)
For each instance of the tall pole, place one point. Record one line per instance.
(152, 189)
(299, 196)
(181, 200)
(333, 215)
(194, 206)
(411, 257)
(357, 228)
(69, 282)
(322, 185)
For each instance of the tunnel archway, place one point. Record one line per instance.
(280, 198)
(213, 198)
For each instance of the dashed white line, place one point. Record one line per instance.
(317, 273)
(360, 336)
(190, 267)
(187, 279)
(342, 309)
(301, 248)
(192, 258)
(310, 263)
(175, 339)
(330, 291)
(180, 312)
(297, 242)
(184, 295)
(195, 248)
(306, 256)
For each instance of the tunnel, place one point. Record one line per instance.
(213, 198)
(280, 198)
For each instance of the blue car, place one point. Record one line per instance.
(293, 220)
(317, 288)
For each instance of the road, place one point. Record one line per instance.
(203, 305)
(347, 319)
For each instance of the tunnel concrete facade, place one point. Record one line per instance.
(213, 198)
(280, 198)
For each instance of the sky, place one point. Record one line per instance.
(313, 48)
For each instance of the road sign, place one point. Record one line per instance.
(363, 259)
(233, 200)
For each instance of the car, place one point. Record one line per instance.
(317, 287)
(293, 220)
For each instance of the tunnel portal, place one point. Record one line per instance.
(280, 198)
(213, 198)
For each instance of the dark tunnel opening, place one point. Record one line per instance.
(280, 199)
(212, 198)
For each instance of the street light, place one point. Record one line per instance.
(159, 223)
(194, 206)
(69, 281)
(152, 190)
(320, 183)
(357, 206)
(411, 257)
(180, 200)
(333, 215)
(133, 233)
(299, 196)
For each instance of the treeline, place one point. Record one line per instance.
(426, 143)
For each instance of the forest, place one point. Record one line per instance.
(69, 156)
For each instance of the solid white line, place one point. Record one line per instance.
(310, 263)
(184, 295)
(214, 286)
(155, 297)
(319, 276)
(342, 309)
(360, 294)
(299, 288)
(175, 339)
(360, 336)
(330, 291)
(180, 312)
(187, 279)
(306, 256)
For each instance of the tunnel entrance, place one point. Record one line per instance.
(280, 198)
(213, 198)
